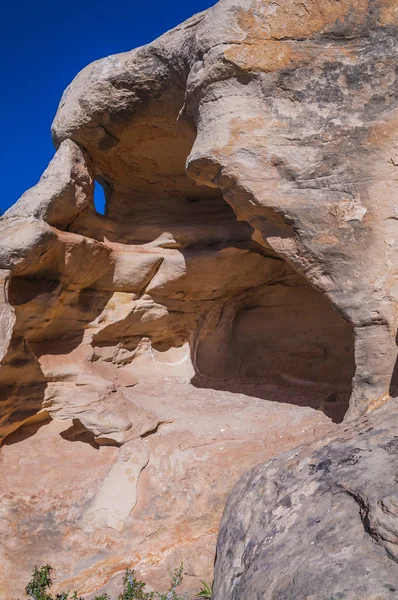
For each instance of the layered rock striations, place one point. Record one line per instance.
(247, 258)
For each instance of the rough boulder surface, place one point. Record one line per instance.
(238, 297)
(318, 523)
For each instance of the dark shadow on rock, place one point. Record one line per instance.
(394, 378)
(332, 402)
(27, 429)
(78, 433)
(281, 341)
(22, 381)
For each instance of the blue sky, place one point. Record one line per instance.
(42, 47)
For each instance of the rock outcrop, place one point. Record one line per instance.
(319, 522)
(153, 503)
(248, 247)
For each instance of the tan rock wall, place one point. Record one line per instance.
(240, 288)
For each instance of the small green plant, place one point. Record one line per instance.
(133, 589)
(205, 591)
(40, 583)
(38, 587)
(176, 581)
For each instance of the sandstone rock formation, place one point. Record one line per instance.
(249, 246)
(152, 504)
(319, 522)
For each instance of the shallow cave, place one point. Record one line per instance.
(282, 342)
(276, 338)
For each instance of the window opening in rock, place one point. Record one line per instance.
(244, 320)
(99, 199)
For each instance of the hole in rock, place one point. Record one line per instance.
(99, 199)
(261, 330)
(284, 343)
(186, 274)
(23, 290)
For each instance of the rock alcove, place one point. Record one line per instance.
(236, 295)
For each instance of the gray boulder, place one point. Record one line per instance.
(318, 523)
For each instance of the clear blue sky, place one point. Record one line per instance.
(43, 45)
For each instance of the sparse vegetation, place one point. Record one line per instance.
(205, 591)
(40, 583)
(39, 588)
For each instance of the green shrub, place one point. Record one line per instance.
(205, 591)
(133, 589)
(40, 583)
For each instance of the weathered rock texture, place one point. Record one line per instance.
(152, 504)
(249, 160)
(319, 522)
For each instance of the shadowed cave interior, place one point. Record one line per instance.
(196, 283)
(278, 339)
(252, 324)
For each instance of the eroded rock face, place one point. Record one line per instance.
(153, 503)
(248, 246)
(319, 522)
